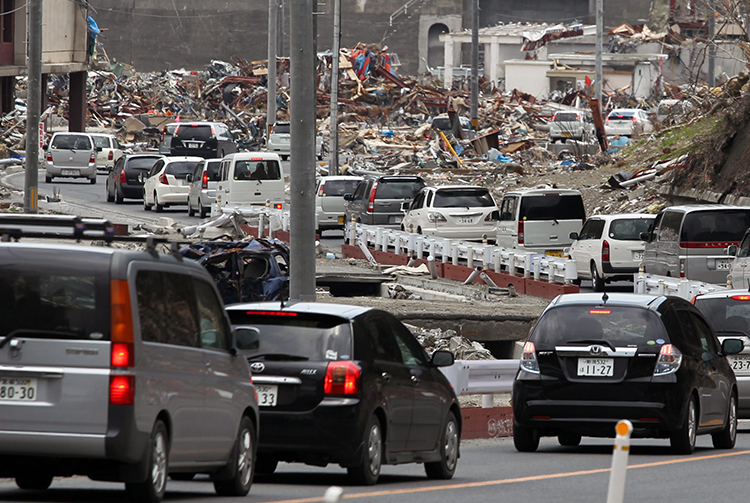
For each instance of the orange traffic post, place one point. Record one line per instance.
(620, 454)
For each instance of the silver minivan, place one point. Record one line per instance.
(690, 241)
(70, 155)
(118, 365)
(203, 187)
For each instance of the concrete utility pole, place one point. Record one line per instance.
(280, 48)
(334, 161)
(475, 64)
(302, 154)
(599, 48)
(273, 24)
(711, 77)
(33, 107)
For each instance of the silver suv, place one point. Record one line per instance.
(118, 365)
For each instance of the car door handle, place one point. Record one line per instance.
(386, 376)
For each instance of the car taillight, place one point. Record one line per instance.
(110, 156)
(121, 312)
(279, 206)
(163, 179)
(122, 354)
(121, 390)
(605, 251)
(204, 181)
(528, 358)
(743, 298)
(669, 360)
(634, 119)
(578, 117)
(92, 157)
(320, 191)
(682, 267)
(434, 216)
(606, 120)
(342, 378)
(371, 201)
(123, 178)
(49, 156)
(520, 232)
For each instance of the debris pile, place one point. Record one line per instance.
(434, 339)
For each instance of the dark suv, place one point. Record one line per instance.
(377, 200)
(203, 139)
(123, 181)
(348, 385)
(592, 360)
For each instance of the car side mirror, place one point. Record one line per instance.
(495, 215)
(405, 206)
(573, 236)
(348, 197)
(442, 359)
(246, 338)
(645, 236)
(732, 346)
(189, 178)
(731, 250)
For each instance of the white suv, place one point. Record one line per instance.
(609, 247)
(108, 150)
(280, 141)
(166, 182)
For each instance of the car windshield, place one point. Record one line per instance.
(194, 132)
(398, 189)
(71, 142)
(566, 117)
(727, 314)
(629, 229)
(471, 198)
(715, 225)
(180, 169)
(257, 169)
(61, 299)
(338, 187)
(282, 128)
(142, 163)
(620, 326)
(552, 207)
(285, 334)
(101, 141)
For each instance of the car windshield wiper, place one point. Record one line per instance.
(278, 357)
(730, 332)
(593, 341)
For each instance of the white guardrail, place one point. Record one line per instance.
(666, 285)
(482, 377)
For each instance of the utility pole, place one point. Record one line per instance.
(33, 107)
(273, 24)
(711, 77)
(302, 154)
(475, 64)
(599, 48)
(280, 43)
(334, 125)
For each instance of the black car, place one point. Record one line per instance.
(348, 385)
(592, 360)
(377, 200)
(203, 139)
(123, 181)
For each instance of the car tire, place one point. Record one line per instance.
(446, 467)
(569, 439)
(118, 198)
(48, 179)
(683, 440)
(202, 212)
(152, 489)
(367, 472)
(34, 481)
(284, 157)
(92, 181)
(597, 282)
(265, 465)
(110, 197)
(241, 463)
(191, 211)
(727, 437)
(525, 439)
(159, 207)
(184, 477)
(146, 206)
(576, 282)
(319, 232)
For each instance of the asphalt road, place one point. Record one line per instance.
(489, 471)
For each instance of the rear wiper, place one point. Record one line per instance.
(47, 334)
(730, 332)
(278, 357)
(593, 341)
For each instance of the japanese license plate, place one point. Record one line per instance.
(193, 145)
(70, 172)
(341, 220)
(267, 394)
(740, 363)
(723, 265)
(596, 367)
(17, 389)
(465, 220)
(637, 255)
(553, 253)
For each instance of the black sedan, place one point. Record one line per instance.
(593, 359)
(123, 181)
(347, 385)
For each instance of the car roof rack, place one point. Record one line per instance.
(14, 226)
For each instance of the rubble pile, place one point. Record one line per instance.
(435, 339)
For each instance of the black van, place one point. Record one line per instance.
(209, 140)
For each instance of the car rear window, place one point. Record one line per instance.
(101, 141)
(141, 163)
(338, 187)
(552, 207)
(194, 132)
(585, 324)
(629, 229)
(60, 297)
(726, 314)
(212, 169)
(398, 189)
(621, 114)
(715, 225)
(282, 128)
(257, 170)
(71, 142)
(566, 117)
(180, 169)
(287, 335)
(471, 198)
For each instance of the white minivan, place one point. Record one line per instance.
(250, 179)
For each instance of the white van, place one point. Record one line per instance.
(249, 179)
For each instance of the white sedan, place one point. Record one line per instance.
(166, 182)
(627, 122)
(452, 211)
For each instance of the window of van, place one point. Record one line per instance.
(71, 142)
(567, 117)
(282, 128)
(592, 229)
(398, 189)
(472, 198)
(629, 229)
(339, 187)
(552, 207)
(508, 209)
(180, 169)
(199, 132)
(257, 170)
(670, 225)
(715, 225)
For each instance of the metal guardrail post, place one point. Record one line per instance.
(536, 266)
(487, 256)
(412, 239)
(476, 272)
(470, 256)
(353, 230)
(432, 249)
(261, 224)
(496, 261)
(420, 246)
(454, 253)
(433, 268)
(528, 267)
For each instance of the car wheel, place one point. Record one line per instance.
(368, 471)
(446, 467)
(48, 179)
(152, 489)
(182, 476)
(191, 211)
(576, 282)
(596, 280)
(683, 440)
(265, 465)
(202, 212)
(110, 196)
(92, 181)
(284, 157)
(569, 439)
(146, 206)
(241, 463)
(727, 437)
(118, 198)
(34, 481)
(159, 207)
(525, 439)
(319, 232)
